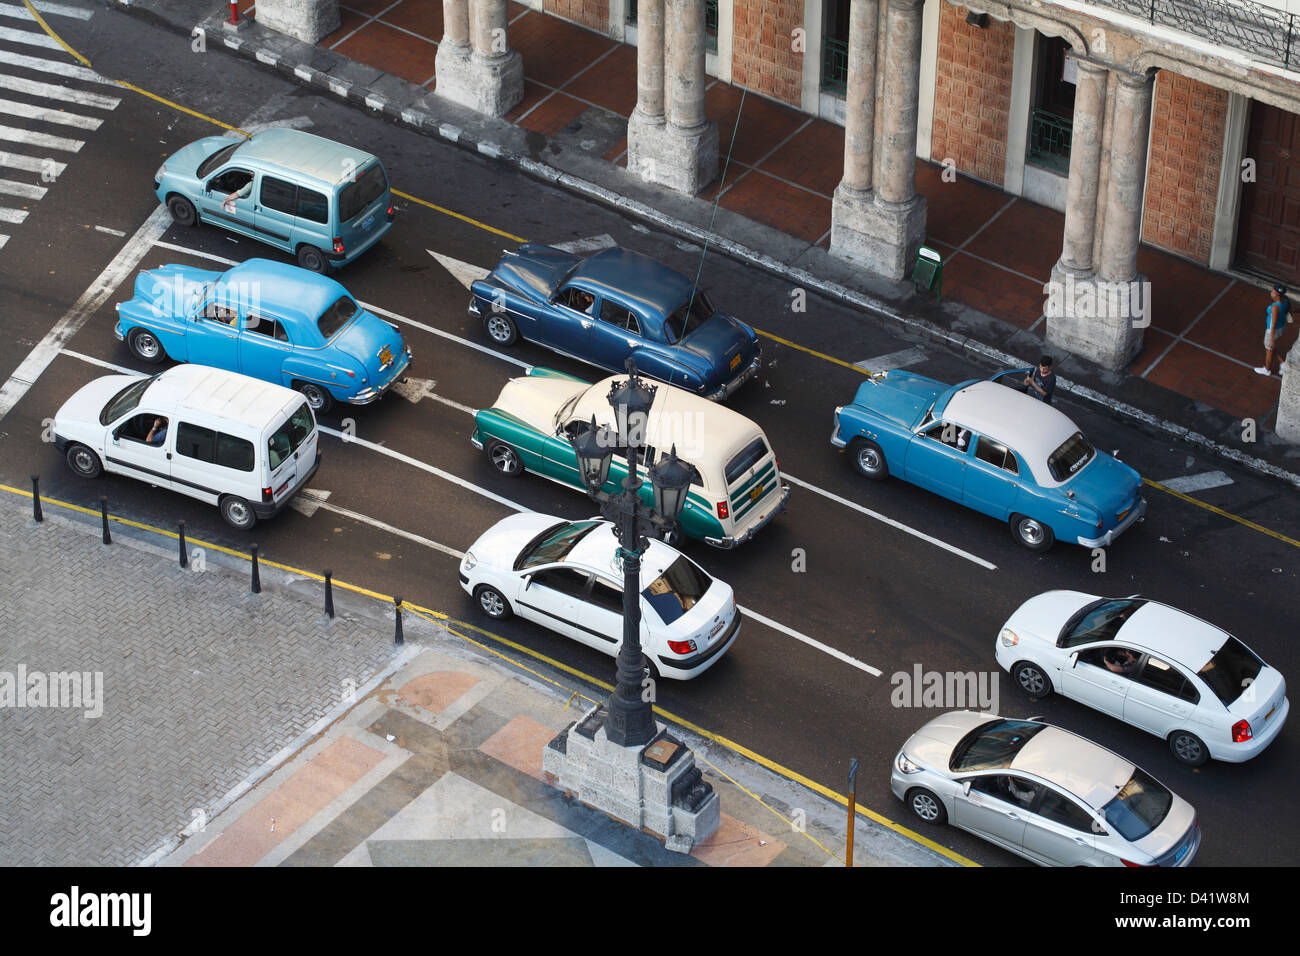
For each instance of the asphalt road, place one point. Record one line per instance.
(882, 596)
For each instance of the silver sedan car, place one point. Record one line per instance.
(1043, 793)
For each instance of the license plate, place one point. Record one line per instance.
(386, 355)
(1269, 714)
(756, 493)
(717, 627)
(368, 221)
(734, 362)
(1120, 516)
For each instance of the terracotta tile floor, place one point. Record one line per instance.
(419, 16)
(772, 201)
(349, 20)
(399, 53)
(553, 114)
(990, 289)
(554, 51)
(611, 83)
(1025, 237)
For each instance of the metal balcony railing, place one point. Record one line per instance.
(1049, 141)
(835, 65)
(1262, 32)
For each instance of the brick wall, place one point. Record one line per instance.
(777, 70)
(1187, 125)
(593, 14)
(972, 97)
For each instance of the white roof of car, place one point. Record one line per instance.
(220, 393)
(1173, 635)
(1090, 772)
(1033, 428)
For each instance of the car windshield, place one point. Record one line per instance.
(1231, 670)
(693, 313)
(217, 158)
(1098, 621)
(567, 408)
(1070, 457)
(357, 196)
(289, 436)
(125, 401)
(336, 316)
(553, 544)
(1139, 806)
(677, 590)
(993, 746)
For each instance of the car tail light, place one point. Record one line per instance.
(266, 494)
(1136, 865)
(338, 244)
(681, 647)
(1241, 732)
(1099, 524)
(722, 509)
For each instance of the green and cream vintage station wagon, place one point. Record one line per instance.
(737, 487)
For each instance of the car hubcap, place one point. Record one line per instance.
(869, 460)
(314, 397)
(146, 345)
(84, 462)
(503, 458)
(491, 602)
(1032, 681)
(238, 513)
(1187, 748)
(925, 807)
(1031, 532)
(499, 329)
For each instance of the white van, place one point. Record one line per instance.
(242, 444)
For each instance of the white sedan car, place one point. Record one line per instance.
(1042, 793)
(1150, 665)
(565, 576)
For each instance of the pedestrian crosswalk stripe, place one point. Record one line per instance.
(40, 139)
(30, 37)
(3, 240)
(57, 67)
(11, 188)
(56, 9)
(44, 114)
(15, 216)
(53, 91)
(32, 164)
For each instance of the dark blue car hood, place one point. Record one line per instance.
(535, 270)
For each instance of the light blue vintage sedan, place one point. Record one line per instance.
(989, 446)
(267, 320)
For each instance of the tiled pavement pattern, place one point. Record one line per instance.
(998, 249)
(202, 683)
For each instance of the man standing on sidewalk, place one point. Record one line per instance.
(1041, 382)
(1278, 315)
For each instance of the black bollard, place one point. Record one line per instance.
(257, 577)
(329, 593)
(36, 499)
(398, 638)
(185, 558)
(103, 513)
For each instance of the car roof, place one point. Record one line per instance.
(1033, 428)
(1089, 771)
(647, 286)
(220, 394)
(305, 153)
(1173, 635)
(287, 290)
(597, 551)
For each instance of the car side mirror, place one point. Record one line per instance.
(1074, 659)
(965, 787)
(528, 580)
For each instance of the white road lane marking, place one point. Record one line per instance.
(891, 522)
(3, 240)
(100, 362)
(456, 405)
(466, 273)
(32, 164)
(111, 232)
(893, 360)
(197, 252)
(590, 244)
(30, 37)
(824, 648)
(1189, 483)
(10, 187)
(44, 114)
(15, 216)
(55, 9)
(391, 529)
(57, 67)
(52, 91)
(96, 295)
(28, 138)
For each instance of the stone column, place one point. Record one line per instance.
(1100, 314)
(306, 20)
(645, 127)
(1288, 406)
(478, 69)
(683, 153)
(881, 228)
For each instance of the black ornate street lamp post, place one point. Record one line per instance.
(631, 720)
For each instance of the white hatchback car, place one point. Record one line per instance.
(1150, 665)
(1042, 793)
(566, 576)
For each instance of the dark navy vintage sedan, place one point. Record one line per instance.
(266, 320)
(991, 447)
(612, 305)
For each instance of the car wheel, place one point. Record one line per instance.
(318, 397)
(145, 346)
(926, 807)
(312, 259)
(1031, 679)
(183, 211)
(672, 537)
(84, 461)
(238, 513)
(868, 459)
(492, 602)
(500, 328)
(1188, 748)
(1031, 534)
(653, 670)
(505, 459)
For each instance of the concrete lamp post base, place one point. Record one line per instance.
(1096, 319)
(655, 787)
(883, 236)
(493, 85)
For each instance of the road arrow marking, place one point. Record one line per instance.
(900, 359)
(590, 244)
(295, 122)
(308, 500)
(414, 389)
(465, 273)
(1201, 482)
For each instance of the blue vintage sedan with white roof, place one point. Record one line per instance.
(989, 446)
(614, 305)
(266, 320)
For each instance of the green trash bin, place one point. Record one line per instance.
(928, 271)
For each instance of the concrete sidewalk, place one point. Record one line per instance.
(227, 728)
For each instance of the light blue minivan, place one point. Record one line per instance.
(324, 202)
